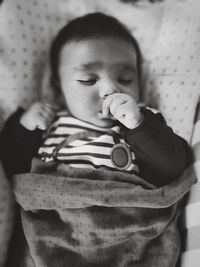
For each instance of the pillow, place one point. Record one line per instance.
(173, 85)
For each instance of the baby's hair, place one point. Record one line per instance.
(91, 26)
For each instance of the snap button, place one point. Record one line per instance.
(121, 156)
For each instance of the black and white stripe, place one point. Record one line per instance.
(90, 151)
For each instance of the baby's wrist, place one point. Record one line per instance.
(136, 122)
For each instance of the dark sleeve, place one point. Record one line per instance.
(18, 145)
(161, 154)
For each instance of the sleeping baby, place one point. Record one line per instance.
(96, 68)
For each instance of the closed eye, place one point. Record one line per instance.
(125, 81)
(88, 82)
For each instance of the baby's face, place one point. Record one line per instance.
(92, 69)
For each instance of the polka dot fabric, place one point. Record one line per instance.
(25, 33)
(114, 204)
(174, 83)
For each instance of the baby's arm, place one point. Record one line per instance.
(21, 138)
(161, 154)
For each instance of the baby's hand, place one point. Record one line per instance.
(123, 108)
(39, 115)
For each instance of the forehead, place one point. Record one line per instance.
(98, 53)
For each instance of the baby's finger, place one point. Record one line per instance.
(47, 115)
(41, 125)
(50, 108)
(43, 121)
(106, 104)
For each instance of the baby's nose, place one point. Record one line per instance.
(105, 95)
(107, 90)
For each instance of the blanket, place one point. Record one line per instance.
(77, 217)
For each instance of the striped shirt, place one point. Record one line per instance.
(81, 144)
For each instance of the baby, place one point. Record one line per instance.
(96, 67)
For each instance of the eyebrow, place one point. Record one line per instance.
(91, 66)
